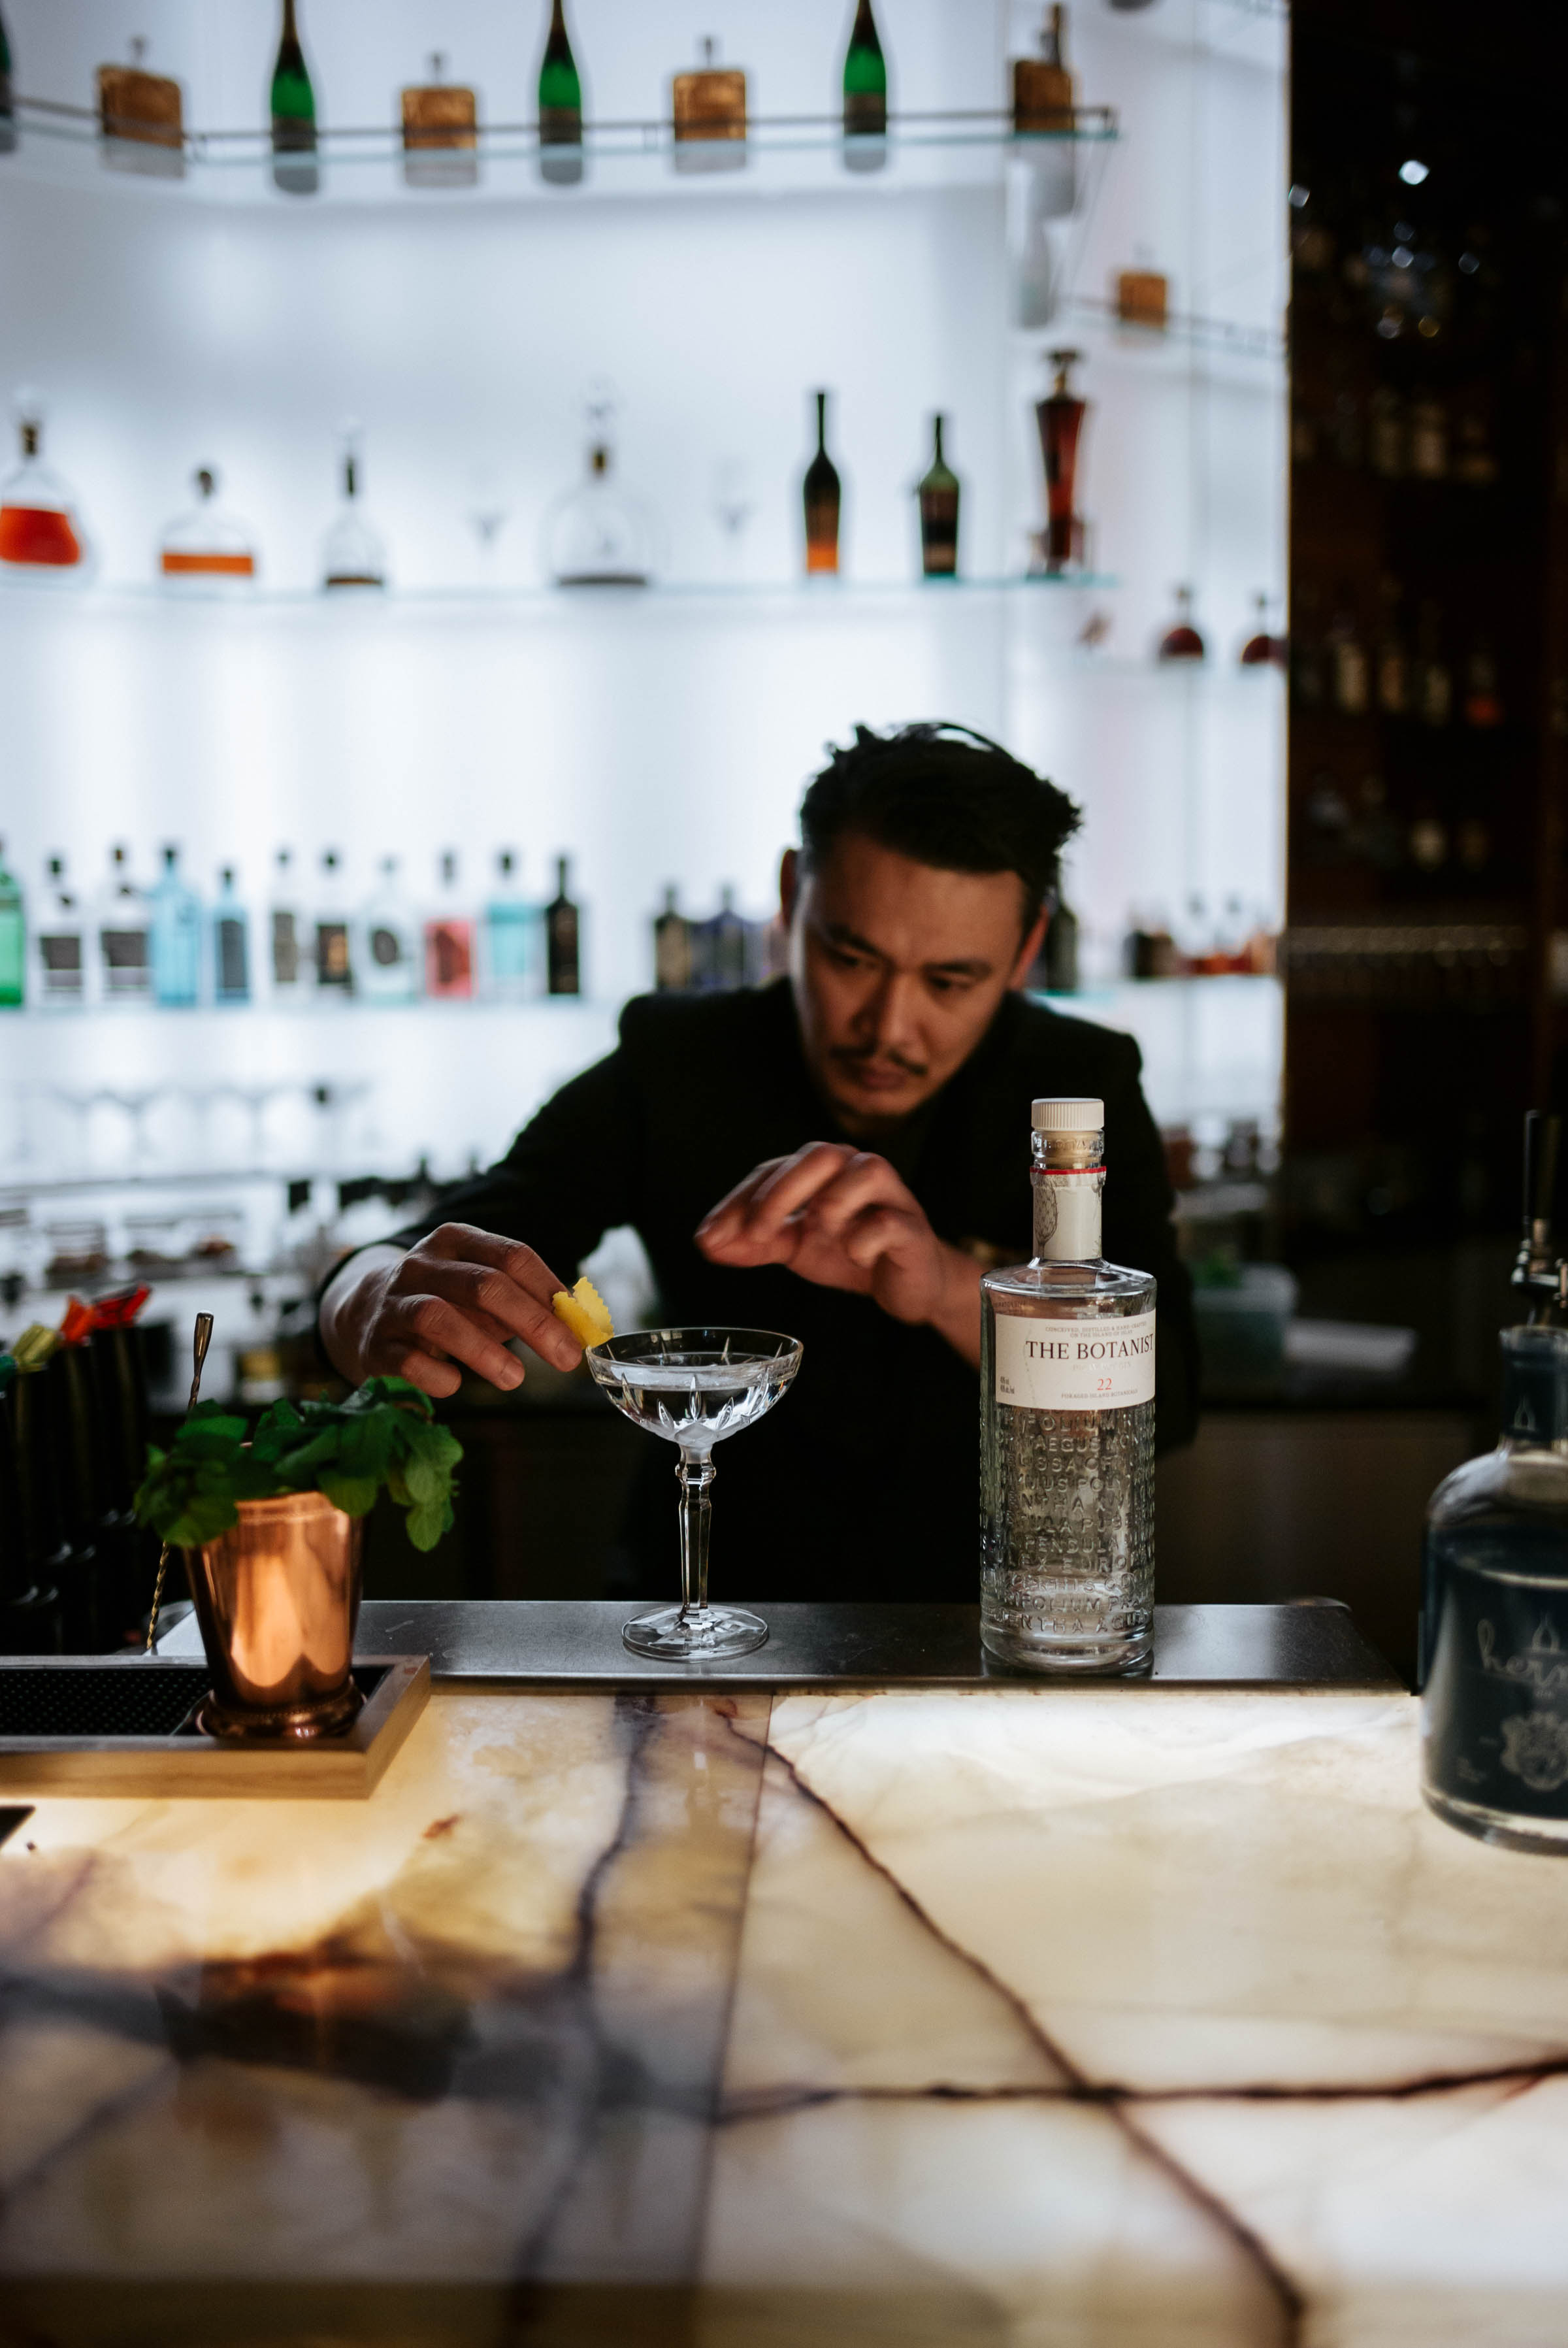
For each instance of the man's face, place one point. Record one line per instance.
(898, 968)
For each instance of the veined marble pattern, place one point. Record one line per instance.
(1051, 2018)
(1140, 2017)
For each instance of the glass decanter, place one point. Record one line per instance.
(353, 554)
(600, 535)
(39, 530)
(207, 547)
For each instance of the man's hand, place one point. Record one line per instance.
(449, 1303)
(842, 1219)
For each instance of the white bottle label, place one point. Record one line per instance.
(1074, 1365)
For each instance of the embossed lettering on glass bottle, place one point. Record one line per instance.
(1067, 1426)
(1495, 1616)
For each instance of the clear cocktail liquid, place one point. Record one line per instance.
(1067, 1430)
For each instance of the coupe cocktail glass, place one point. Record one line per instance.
(694, 1386)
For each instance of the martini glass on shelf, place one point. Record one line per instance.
(694, 1386)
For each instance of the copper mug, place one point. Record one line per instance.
(278, 1600)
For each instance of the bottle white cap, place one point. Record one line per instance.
(1068, 1116)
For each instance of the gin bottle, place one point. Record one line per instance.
(1495, 1616)
(1067, 1426)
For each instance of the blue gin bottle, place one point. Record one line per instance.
(176, 938)
(1495, 1616)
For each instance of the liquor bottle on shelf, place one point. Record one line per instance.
(1495, 1616)
(1060, 421)
(1306, 653)
(440, 132)
(1181, 640)
(387, 962)
(1143, 295)
(563, 939)
(560, 106)
(1474, 461)
(1043, 99)
(62, 946)
(332, 953)
(513, 964)
(708, 110)
(12, 938)
(352, 555)
(176, 938)
(865, 95)
(598, 534)
(939, 494)
(449, 940)
(1059, 953)
(125, 940)
(1067, 1426)
(8, 105)
(1388, 441)
(230, 943)
(821, 497)
(140, 119)
(207, 546)
(1263, 648)
(39, 532)
(1483, 702)
(721, 951)
(1393, 662)
(1349, 681)
(287, 934)
(1433, 696)
(295, 167)
(671, 948)
(1429, 439)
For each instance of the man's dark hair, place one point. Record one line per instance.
(945, 796)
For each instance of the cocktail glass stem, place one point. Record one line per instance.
(694, 1472)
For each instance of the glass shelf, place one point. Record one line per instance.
(781, 153)
(816, 596)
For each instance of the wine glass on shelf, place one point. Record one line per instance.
(694, 1386)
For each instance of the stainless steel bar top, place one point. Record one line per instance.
(576, 1642)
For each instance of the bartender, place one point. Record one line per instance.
(839, 1155)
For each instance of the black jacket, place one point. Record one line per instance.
(863, 1482)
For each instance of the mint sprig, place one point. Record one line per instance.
(383, 1437)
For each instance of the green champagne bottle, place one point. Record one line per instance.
(865, 95)
(12, 937)
(294, 168)
(561, 105)
(939, 495)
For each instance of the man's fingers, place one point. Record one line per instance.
(880, 1231)
(391, 1360)
(799, 1179)
(489, 1295)
(731, 1208)
(864, 1182)
(432, 1326)
(466, 1243)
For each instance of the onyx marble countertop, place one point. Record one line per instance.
(750, 2018)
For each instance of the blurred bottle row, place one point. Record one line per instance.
(141, 115)
(128, 944)
(1393, 669)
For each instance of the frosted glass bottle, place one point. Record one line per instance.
(176, 938)
(387, 960)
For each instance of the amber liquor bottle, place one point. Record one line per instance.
(939, 494)
(1042, 92)
(563, 938)
(1060, 422)
(821, 495)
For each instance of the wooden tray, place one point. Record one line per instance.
(114, 1726)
